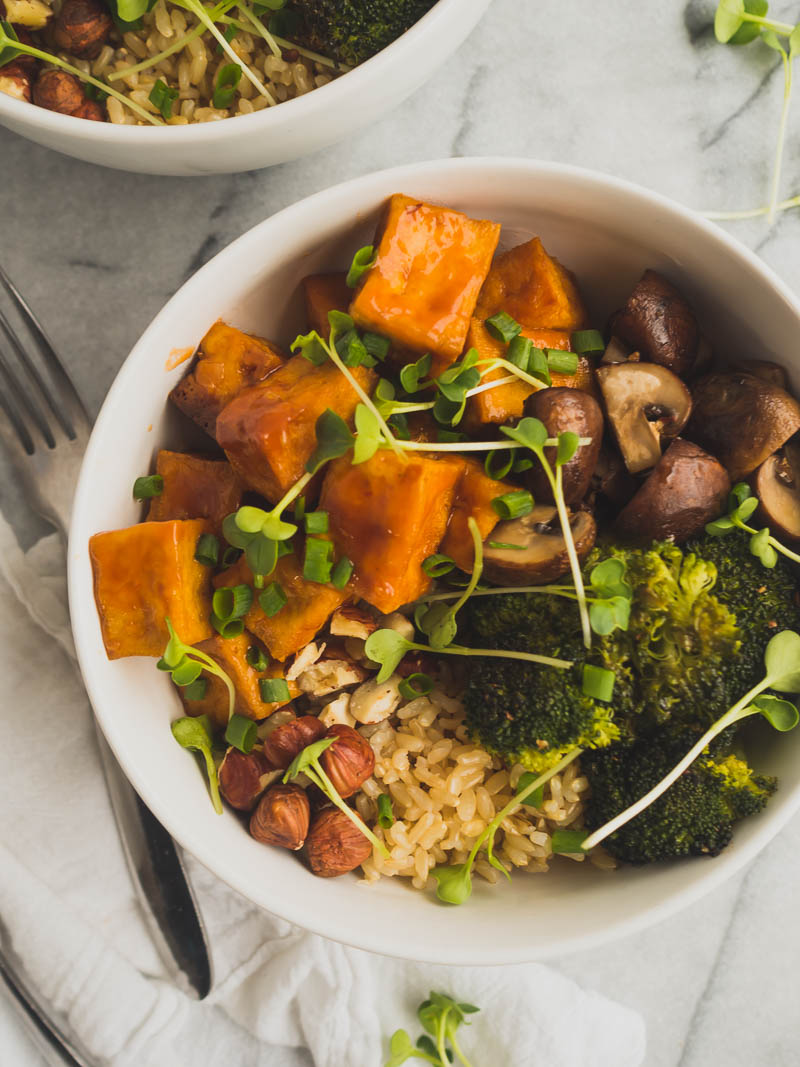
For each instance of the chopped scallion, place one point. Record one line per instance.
(416, 685)
(598, 683)
(363, 260)
(502, 327)
(256, 658)
(568, 841)
(385, 812)
(586, 342)
(498, 464)
(196, 690)
(242, 733)
(147, 487)
(342, 573)
(562, 362)
(534, 799)
(228, 78)
(207, 550)
(318, 562)
(437, 565)
(519, 351)
(537, 366)
(273, 690)
(272, 600)
(377, 345)
(316, 522)
(513, 505)
(162, 97)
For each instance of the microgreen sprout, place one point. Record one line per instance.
(741, 505)
(185, 664)
(440, 1016)
(438, 621)
(781, 673)
(307, 763)
(194, 734)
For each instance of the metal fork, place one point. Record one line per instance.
(45, 430)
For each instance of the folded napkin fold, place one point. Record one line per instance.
(282, 996)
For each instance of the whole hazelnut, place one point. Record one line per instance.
(16, 81)
(90, 109)
(334, 845)
(29, 63)
(82, 27)
(284, 743)
(349, 761)
(58, 91)
(282, 817)
(240, 777)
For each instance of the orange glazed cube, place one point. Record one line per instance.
(268, 432)
(308, 606)
(475, 492)
(387, 515)
(324, 293)
(533, 288)
(431, 264)
(143, 574)
(495, 406)
(228, 361)
(231, 654)
(194, 488)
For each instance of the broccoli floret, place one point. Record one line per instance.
(694, 817)
(353, 30)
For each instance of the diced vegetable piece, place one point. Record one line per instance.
(143, 574)
(473, 498)
(387, 515)
(231, 654)
(496, 406)
(194, 488)
(431, 264)
(324, 293)
(228, 361)
(268, 432)
(308, 606)
(533, 288)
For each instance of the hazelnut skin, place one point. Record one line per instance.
(334, 845)
(349, 761)
(82, 27)
(285, 742)
(16, 81)
(282, 817)
(58, 91)
(240, 778)
(90, 109)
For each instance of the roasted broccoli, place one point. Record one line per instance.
(694, 817)
(353, 30)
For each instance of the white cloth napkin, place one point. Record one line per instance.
(68, 909)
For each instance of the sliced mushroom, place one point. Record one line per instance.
(644, 402)
(687, 489)
(777, 486)
(741, 420)
(561, 410)
(617, 352)
(542, 555)
(658, 321)
(764, 369)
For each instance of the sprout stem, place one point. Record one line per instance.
(318, 776)
(176, 46)
(200, 12)
(260, 29)
(493, 653)
(291, 494)
(771, 540)
(776, 172)
(574, 564)
(392, 442)
(475, 446)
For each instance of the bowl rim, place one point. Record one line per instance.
(724, 866)
(288, 114)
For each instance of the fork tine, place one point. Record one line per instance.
(23, 438)
(65, 389)
(25, 402)
(33, 374)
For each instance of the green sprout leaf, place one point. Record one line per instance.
(368, 435)
(762, 549)
(311, 347)
(749, 31)
(333, 440)
(568, 841)
(400, 1049)
(412, 374)
(728, 19)
(305, 758)
(454, 883)
(386, 647)
(529, 432)
(193, 734)
(782, 715)
(568, 443)
(782, 662)
(7, 50)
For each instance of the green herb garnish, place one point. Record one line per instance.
(242, 733)
(364, 260)
(147, 487)
(162, 97)
(194, 734)
(207, 550)
(273, 690)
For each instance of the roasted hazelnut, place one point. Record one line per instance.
(82, 27)
(58, 91)
(283, 744)
(282, 817)
(26, 62)
(240, 777)
(90, 109)
(334, 845)
(349, 761)
(17, 81)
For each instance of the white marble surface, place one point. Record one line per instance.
(638, 90)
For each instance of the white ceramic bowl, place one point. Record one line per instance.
(290, 130)
(607, 231)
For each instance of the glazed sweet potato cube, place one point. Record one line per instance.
(194, 488)
(308, 606)
(496, 406)
(431, 264)
(228, 361)
(473, 498)
(387, 515)
(533, 288)
(142, 575)
(324, 293)
(231, 654)
(268, 432)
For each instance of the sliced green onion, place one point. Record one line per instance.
(227, 628)
(502, 327)
(519, 351)
(586, 342)
(207, 550)
(416, 685)
(522, 464)
(498, 464)
(363, 260)
(534, 799)
(318, 562)
(242, 733)
(300, 508)
(272, 600)
(316, 522)
(162, 97)
(225, 88)
(232, 602)
(398, 424)
(148, 487)
(385, 812)
(537, 366)
(569, 841)
(273, 690)
(256, 658)
(562, 362)
(437, 565)
(342, 573)
(196, 690)
(377, 345)
(229, 35)
(513, 505)
(598, 683)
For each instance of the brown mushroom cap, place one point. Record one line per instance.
(644, 403)
(777, 486)
(82, 27)
(544, 555)
(561, 410)
(741, 420)
(658, 321)
(57, 90)
(687, 489)
(764, 369)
